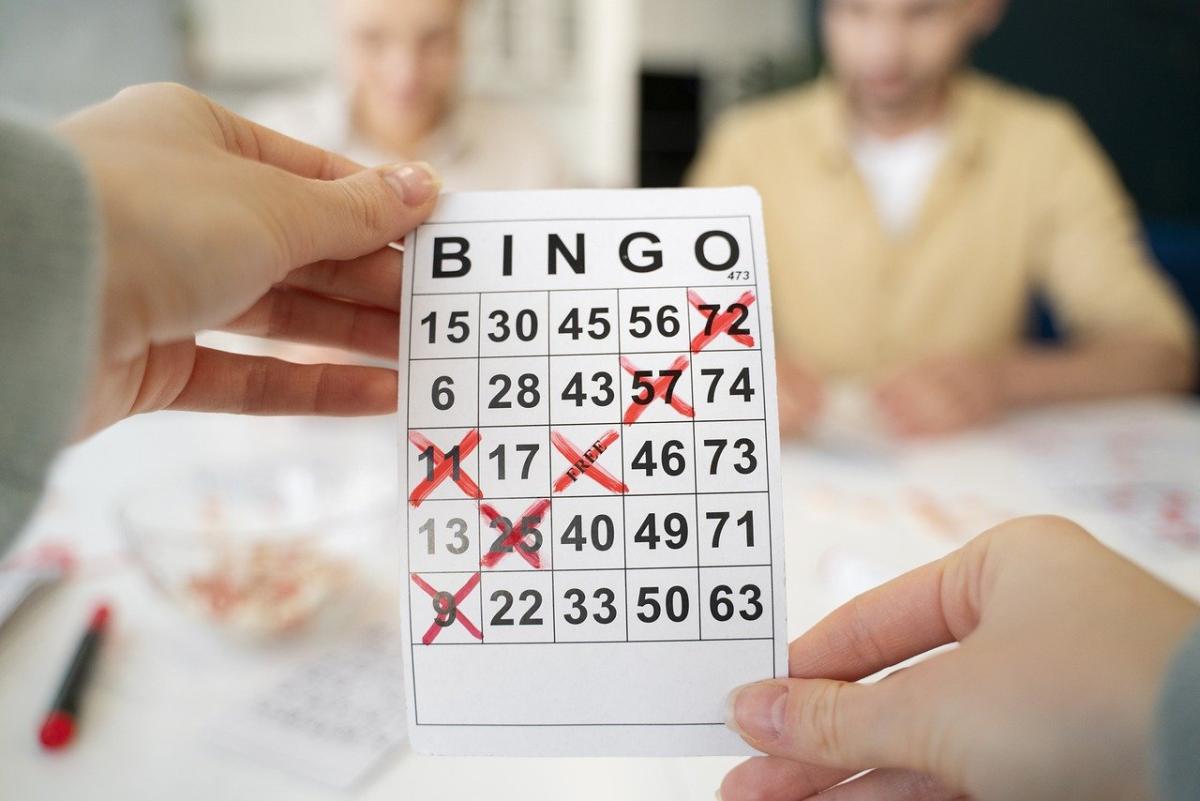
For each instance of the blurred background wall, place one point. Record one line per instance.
(628, 85)
(583, 66)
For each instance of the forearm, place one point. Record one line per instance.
(1095, 370)
(48, 292)
(1178, 740)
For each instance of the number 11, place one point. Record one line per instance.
(455, 462)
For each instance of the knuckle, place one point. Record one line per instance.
(815, 718)
(861, 640)
(324, 390)
(254, 389)
(282, 311)
(362, 204)
(1035, 531)
(283, 241)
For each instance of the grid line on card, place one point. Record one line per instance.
(501, 425)
(590, 289)
(587, 218)
(412, 655)
(624, 481)
(695, 485)
(550, 476)
(619, 642)
(766, 460)
(590, 569)
(569, 725)
(479, 428)
(657, 494)
(560, 355)
(594, 218)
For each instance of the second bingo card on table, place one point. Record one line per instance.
(593, 548)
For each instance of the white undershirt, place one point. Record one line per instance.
(898, 173)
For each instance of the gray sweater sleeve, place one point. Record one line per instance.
(1178, 746)
(49, 281)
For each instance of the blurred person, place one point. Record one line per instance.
(913, 208)
(396, 97)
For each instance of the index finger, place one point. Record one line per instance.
(933, 605)
(259, 143)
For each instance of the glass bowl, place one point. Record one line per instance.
(266, 548)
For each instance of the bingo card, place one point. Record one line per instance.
(590, 458)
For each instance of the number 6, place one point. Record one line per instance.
(441, 394)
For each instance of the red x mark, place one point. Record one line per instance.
(721, 323)
(450, 602)
(443, 467)
(513, 536)
(658, 390)
(585, 463)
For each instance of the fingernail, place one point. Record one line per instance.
(756, 710)
(416, 183)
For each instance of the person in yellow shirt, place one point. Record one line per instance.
(912, 209)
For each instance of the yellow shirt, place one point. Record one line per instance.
(1023, 199)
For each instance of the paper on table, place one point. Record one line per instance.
(331, 720)
(24, 575)
(1161, 514)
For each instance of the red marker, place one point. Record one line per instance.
(59, 726)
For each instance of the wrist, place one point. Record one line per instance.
(1022, 378)
(1007, 380)
(121, 325)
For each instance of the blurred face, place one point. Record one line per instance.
(894, 56)
(400, 58)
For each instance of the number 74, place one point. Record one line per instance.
(740, 388)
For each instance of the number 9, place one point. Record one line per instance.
(445, 609)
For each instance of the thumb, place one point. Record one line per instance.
(360, 213)
(832, 724)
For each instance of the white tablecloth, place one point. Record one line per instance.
(858, 511)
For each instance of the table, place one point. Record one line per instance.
(858, 509)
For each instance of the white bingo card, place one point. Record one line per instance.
(590, 459)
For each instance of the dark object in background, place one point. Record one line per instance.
(1132, 69)
(668, 127)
